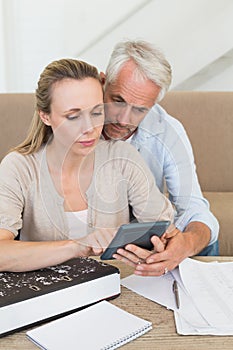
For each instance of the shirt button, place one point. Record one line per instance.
(90, 224)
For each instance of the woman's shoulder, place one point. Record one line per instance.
(12, 159)
(17, 156)
(16, 160)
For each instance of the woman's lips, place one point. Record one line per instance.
(87, 143)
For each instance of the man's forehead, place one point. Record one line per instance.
(142, 94)
(133, 88)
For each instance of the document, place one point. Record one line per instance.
(205, 295)
(184, 327)
(158, 289)
(210, 285)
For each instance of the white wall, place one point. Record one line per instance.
(217, 76)
(36, 32)
(191, 33)
(220, 82)
(2, 50)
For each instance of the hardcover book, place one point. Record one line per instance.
(30, 297)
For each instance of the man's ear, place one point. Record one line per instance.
(102, 78)
(45, 118)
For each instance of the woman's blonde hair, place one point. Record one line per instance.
(39, 133)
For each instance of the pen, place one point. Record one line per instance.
(176, 292)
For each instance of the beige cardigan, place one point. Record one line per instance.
(30, 203)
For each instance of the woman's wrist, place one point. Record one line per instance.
(79, 249)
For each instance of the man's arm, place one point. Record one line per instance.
(164, 145)
(192, 209)
(198, 235)
(197, 227)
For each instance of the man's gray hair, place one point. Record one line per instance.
(150, 61)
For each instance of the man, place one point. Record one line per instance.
(137, 77)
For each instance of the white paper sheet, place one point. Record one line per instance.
(158, 289)
(185, 328)
(210, 285)
(205, 292)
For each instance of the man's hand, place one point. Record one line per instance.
(173, 247)
(133, 255)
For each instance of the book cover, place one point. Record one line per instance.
(30, 297)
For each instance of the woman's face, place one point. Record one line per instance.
(77, 114)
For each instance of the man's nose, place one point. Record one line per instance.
(124, 116)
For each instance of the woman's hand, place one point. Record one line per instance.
(96, 242)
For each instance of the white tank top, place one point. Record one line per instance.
(77, 222)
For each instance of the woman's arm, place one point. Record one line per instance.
(25, 256)
(16, 179)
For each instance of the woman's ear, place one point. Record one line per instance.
(45, 118)
(102, 78)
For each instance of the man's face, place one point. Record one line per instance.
(127, 102)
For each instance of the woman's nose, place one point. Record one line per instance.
(87, 124)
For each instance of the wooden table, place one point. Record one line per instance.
(163, 336)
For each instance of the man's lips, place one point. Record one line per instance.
(118, 127)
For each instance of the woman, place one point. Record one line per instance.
(64, 189)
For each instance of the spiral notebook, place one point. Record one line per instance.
(101, 326)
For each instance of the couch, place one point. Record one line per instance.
(208, 120)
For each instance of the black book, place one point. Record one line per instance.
(28, 298)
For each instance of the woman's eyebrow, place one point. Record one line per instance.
(97, 106)
(72, 110)
(80, 110)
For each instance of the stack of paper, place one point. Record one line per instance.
(205, 294)
(209, 288)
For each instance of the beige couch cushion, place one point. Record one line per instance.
(221, 204)
(16, 111)
(208, 120)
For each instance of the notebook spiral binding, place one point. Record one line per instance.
(122, 341)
